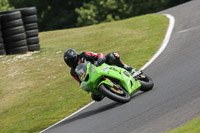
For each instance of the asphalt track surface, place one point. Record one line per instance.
(175, 98)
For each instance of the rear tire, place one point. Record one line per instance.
(146, 83)
(106, 90)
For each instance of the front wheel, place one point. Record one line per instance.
(146, 82)
(117, 94)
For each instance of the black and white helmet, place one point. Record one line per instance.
(71, 57)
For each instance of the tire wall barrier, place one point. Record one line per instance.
(2, 48)
(19, 31)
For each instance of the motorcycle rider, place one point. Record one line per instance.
(72, 59)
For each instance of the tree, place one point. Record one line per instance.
(60, 14)
(4, 5)
(52, 14)
(97, 11)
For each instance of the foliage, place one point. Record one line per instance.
(102, 11)
(52, 14)
(4, 5)
(60, 14)
(97, 11)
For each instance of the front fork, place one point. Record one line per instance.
(107, 82)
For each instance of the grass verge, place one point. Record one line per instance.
(190, 127)
(37, 90)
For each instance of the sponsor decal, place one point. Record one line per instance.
(83, 75)
(92, 69)
(82, 84)
(105, 69)
(85, 87)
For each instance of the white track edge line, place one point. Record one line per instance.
(163, 46)
(165, 41)
(68, 116)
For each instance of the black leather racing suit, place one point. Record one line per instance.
(111, 59)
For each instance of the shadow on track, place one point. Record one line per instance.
(89, 113)
(95, 111)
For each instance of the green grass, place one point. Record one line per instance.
(190, 127)
(37, 91)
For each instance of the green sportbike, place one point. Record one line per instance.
(113, 82)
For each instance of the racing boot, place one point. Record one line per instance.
(96, 98)
(130, 69)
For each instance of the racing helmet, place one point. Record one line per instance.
(70, 57)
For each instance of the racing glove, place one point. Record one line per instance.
(100, 61)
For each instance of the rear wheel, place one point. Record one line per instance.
(146, 82)
(117, 94)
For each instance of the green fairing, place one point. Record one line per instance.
(92, 77)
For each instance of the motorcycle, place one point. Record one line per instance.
(114, 82)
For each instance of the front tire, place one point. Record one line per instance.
(108, 91)
(146, 83)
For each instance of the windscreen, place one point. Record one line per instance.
(81, 70)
